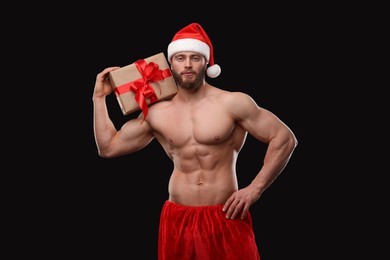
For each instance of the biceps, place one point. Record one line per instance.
(134, 135)
(262, 124)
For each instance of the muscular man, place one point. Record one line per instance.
(202, 130)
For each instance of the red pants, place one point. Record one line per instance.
(203, 233)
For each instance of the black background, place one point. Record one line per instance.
(76, 204)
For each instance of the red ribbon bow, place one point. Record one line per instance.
(150, 73)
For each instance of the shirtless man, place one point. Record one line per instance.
(202, 130)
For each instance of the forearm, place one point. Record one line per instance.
(104, 129)
(277, 156)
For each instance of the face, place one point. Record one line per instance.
(188, 69)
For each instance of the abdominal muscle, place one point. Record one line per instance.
(202, 184)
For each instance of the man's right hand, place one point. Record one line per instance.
(103, 86)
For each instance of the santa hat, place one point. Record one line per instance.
(194, 38)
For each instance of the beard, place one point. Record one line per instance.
(189, 84)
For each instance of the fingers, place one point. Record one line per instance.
(102, 86)
(104, 74)
(106, 70)
(245, 211)
(235, 208)
(237, 204)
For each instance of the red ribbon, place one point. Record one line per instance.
(150, 73)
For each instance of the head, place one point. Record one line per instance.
(193, 38)
(189, 69)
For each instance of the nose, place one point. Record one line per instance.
(187, 62)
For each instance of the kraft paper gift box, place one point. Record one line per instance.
(143, 83)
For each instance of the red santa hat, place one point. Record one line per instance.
(194, 38)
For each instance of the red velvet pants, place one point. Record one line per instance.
(203, 233)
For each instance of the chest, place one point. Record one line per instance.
(208, 124)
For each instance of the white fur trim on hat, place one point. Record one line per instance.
(188, 44)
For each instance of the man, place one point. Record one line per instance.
(202, 130)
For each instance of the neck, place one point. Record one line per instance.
(190, 95)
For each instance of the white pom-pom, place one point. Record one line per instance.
(213, 71)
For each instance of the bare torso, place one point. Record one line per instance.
(203, 140)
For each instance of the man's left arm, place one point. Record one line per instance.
(267, 128)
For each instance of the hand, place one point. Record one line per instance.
(102, 84)
(240, 202)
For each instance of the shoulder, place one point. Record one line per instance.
(240, 105)
(225, 95)
(236, 99)
(160, 106)
(232, 99)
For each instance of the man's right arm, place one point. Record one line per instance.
(110, 142)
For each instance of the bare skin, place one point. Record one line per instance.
(202, 130)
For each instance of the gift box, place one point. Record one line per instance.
(143, 83)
